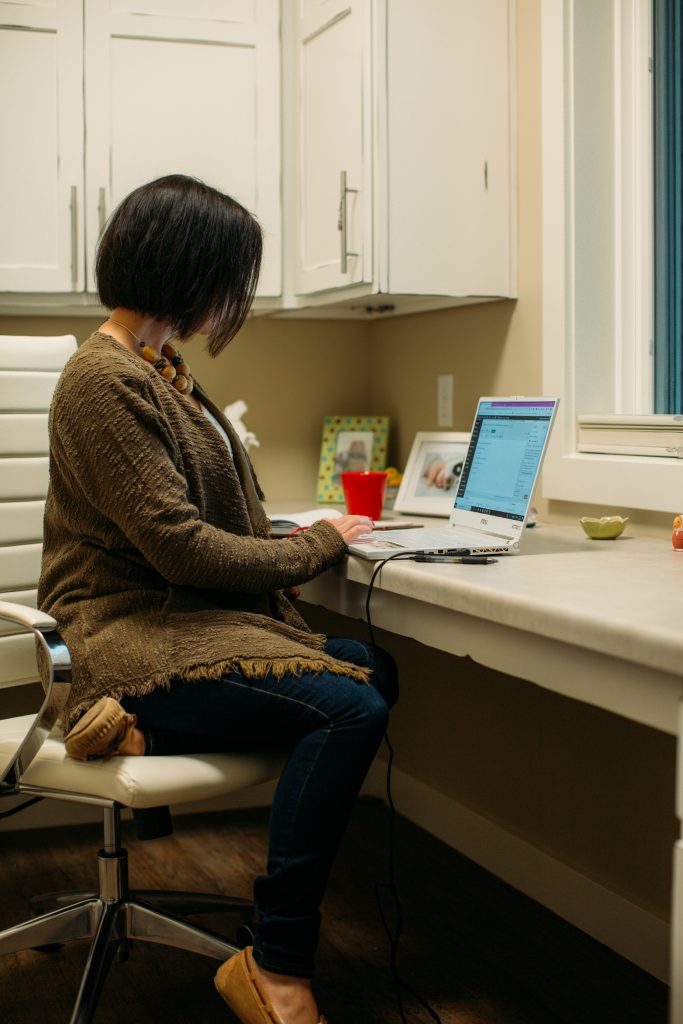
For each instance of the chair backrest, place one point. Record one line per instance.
(29, 370)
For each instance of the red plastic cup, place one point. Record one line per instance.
(364, 493)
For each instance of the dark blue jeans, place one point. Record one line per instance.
(332, 726)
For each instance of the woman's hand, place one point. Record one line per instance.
(351, 527)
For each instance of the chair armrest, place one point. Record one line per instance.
(44, 628)
(25, 616)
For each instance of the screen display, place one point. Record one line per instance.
(508, 438)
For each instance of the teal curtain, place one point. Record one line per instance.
(668, 205)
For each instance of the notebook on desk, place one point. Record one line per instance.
(508, 442)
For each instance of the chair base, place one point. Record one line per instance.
(115, 917)
(175, 902)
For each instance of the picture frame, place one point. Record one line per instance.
(430, 481)
(349, 443)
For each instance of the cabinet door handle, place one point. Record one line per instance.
(342, 223)
(73, 208)
(101, 209)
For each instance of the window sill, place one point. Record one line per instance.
(641, 436)
(615, 481)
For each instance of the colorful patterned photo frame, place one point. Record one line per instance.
(431, 478)
(350, 444)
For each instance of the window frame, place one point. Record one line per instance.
(644, 482)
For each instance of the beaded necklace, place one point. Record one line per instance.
(170, 364)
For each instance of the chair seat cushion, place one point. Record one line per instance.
(137, 781)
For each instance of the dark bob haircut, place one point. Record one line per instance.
(182, 252)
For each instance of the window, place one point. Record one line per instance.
(668, 206)
(598, 248)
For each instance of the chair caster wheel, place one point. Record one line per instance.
(246, 933)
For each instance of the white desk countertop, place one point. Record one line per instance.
(617, 597)
(596, 621)
(599, 622)
(615, 602)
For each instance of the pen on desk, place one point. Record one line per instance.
(462, 559)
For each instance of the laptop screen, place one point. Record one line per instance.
(505, 452)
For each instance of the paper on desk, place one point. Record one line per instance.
(288, 521)
(294, 519)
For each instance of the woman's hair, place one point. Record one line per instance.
(180, 251)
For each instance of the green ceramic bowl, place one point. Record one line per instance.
(605, 528)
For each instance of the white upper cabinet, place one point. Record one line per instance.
(449, 167)
(415, 102)
(170, 86)
(188, 88)
(395, 160)
(41, 127)
(334, 159)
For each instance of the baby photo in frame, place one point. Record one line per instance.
(432, 474)
(353, 444)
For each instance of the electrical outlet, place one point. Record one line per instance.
(444, 400)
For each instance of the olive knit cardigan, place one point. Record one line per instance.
(157, 563)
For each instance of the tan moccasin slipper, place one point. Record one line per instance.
(237, 983)
(100, 731)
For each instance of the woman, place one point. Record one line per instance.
(158, 566)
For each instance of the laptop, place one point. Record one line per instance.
(508, 442)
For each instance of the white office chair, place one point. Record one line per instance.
(33, 760)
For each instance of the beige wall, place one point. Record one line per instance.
(569, 778)
(291, 373)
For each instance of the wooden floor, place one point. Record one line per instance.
(476, 949)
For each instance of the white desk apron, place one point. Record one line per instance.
(596, 621)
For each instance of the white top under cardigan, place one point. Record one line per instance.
(212, 419)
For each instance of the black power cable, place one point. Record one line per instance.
(390, 887)
(21, 807)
